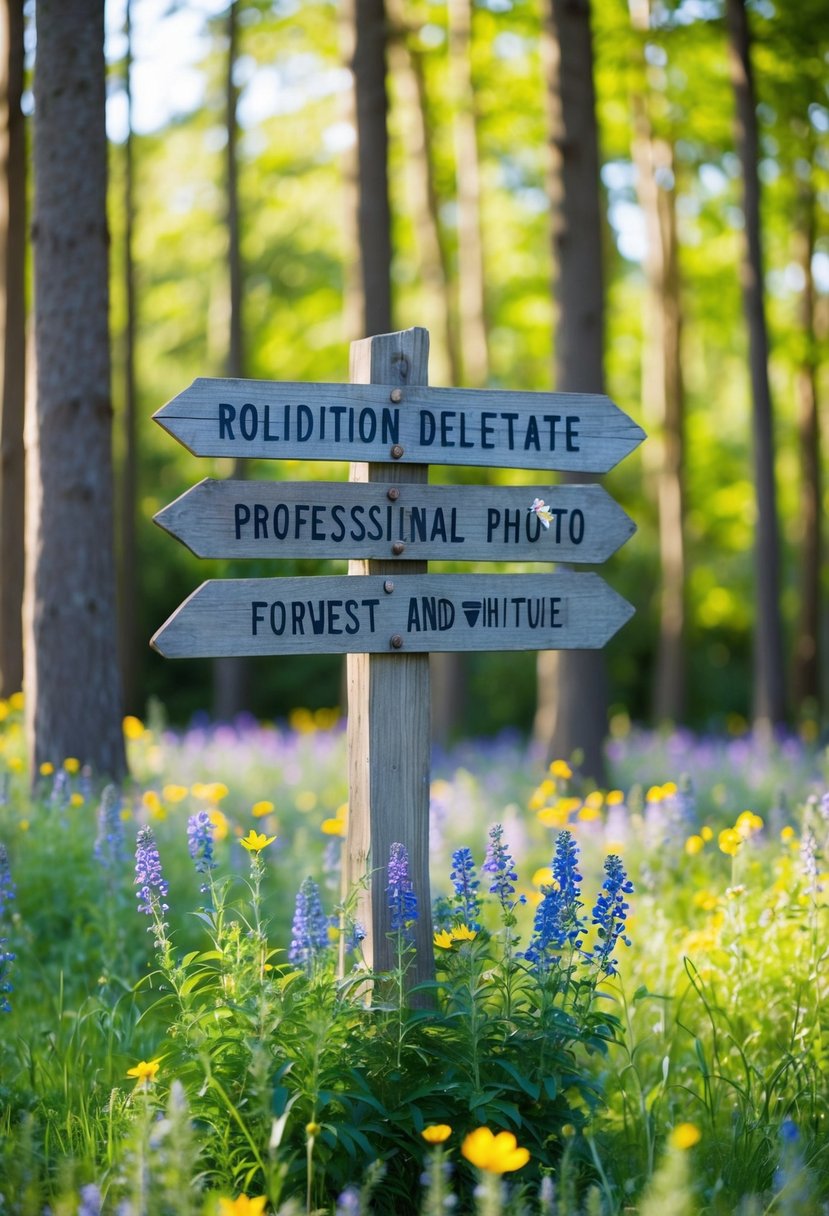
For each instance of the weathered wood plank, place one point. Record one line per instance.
(350, 615)
(402, 424)
(395, 521)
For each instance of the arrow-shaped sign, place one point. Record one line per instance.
(371, 614)
(580, 523)
(580, 432)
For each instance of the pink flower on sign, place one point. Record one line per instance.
(541, 509)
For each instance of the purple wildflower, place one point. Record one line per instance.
(7, 892)
(151, 883)
(200, 842)
(500, 864)
(610, 913)
(60, 794)
(309, 931)
(109, 843)
(557, 919)
(809, 862)
(349, 1202)
(402, 899)
(467, 902)
(91, 1201)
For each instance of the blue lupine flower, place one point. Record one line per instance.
(309, 931)
(610, 913)
(557, 918)
(402, 899)
(7, 892)
(61, 793)
(151, 883)
(467, 901)
(200, 843)
(809, 862)
(499, 863)
(349, 1202)
(442, 914)
(109, 843)
(92, 1202)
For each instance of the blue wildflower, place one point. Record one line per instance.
(151, 883)
(91, 1201)
(61, 793)
(501, 866)
(558, 922)
(7, 893)
(200, 842)
(401, 896)
(349, 1202)
(109, 843)
(610, 913)
(467, 901)
(309, 931)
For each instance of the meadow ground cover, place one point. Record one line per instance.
(174, 1037)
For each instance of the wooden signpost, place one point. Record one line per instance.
(387, 614)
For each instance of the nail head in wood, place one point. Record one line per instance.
(388, 586)
(393, 494)
(396, 395)
(397, 451)
(396, 641)
(397, 548)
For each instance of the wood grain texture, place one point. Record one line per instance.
(435, 612)
(579, 432)
(273, 519)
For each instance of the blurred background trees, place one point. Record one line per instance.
(263, 204)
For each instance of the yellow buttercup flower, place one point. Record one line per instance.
(747, 824)
(561, 769)
(133, 727)
(16, 701)
(615, 798)
(706, 833)
(254, 842)
(694, 845)
(72, 764)
(175, 793)
(497, 1154)
(655, 794)
(76, 800)
(219, 823)
(46, 769)
(730, 841)
(462, 933)
(685, 1135)
(786, 833)
(443, 939)
(262, 808)
(242, 1206)
(333, 827)
(436, 1133)
(144, 1072)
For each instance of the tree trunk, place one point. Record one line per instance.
(471, 289)
(231, 675)
(128, 573)
(72, 681)
(807, 656)
(572, 684)
(365, 35)
(13, 323)
(769, 684)
(663, 403)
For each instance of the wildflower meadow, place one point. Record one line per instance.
(627, 1013)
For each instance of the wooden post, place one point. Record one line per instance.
(389, 753)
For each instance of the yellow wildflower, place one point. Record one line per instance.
(216, 791)
(46, 769)
(72, 764)
(748, 823)
(16, 701)
(334, 827)
(4, 710)
(669, 789)
(305, 800)
(462, 933)
(730, 841)
(594, 799)
(561, 769)
(175, 793)
(497, 1154)
(260, 809)
(543, 877)
(655, 794)
(16, 764)
(685, 1135)
(254, 842)
(588, 814)
(706, 833)
(312, 1128)
(76, 800)
(242, 1206)
(302, 721)
(694, 845)
(436, 1133)
(220, 824)
(786, 833)
(133, 727)
(443, 939)
(614, 798)
(144, 1072)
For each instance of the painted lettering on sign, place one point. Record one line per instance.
(338, 523)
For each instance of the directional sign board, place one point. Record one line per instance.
(458, 523)
(409, 613)
(579, 432)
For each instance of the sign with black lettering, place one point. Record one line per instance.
(579, 432)
(370, 614)
(577, 523)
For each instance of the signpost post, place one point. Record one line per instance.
(388, 614)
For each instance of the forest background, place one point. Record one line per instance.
(235, 249)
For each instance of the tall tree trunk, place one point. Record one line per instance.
(128, 580)
(365, 36)
(807, 683)
(471, 289)
(231, 675)
(662, 392)
(572, 684)
(13, 323)
(72, 680)
(769, 685)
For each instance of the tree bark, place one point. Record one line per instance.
(231, 675)
(572, 685)
(365, 34)
(769, 685)
(72, 680)
(128, 580)
(471, 286)
(663, 400)
(13, 323)
(807, 656)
